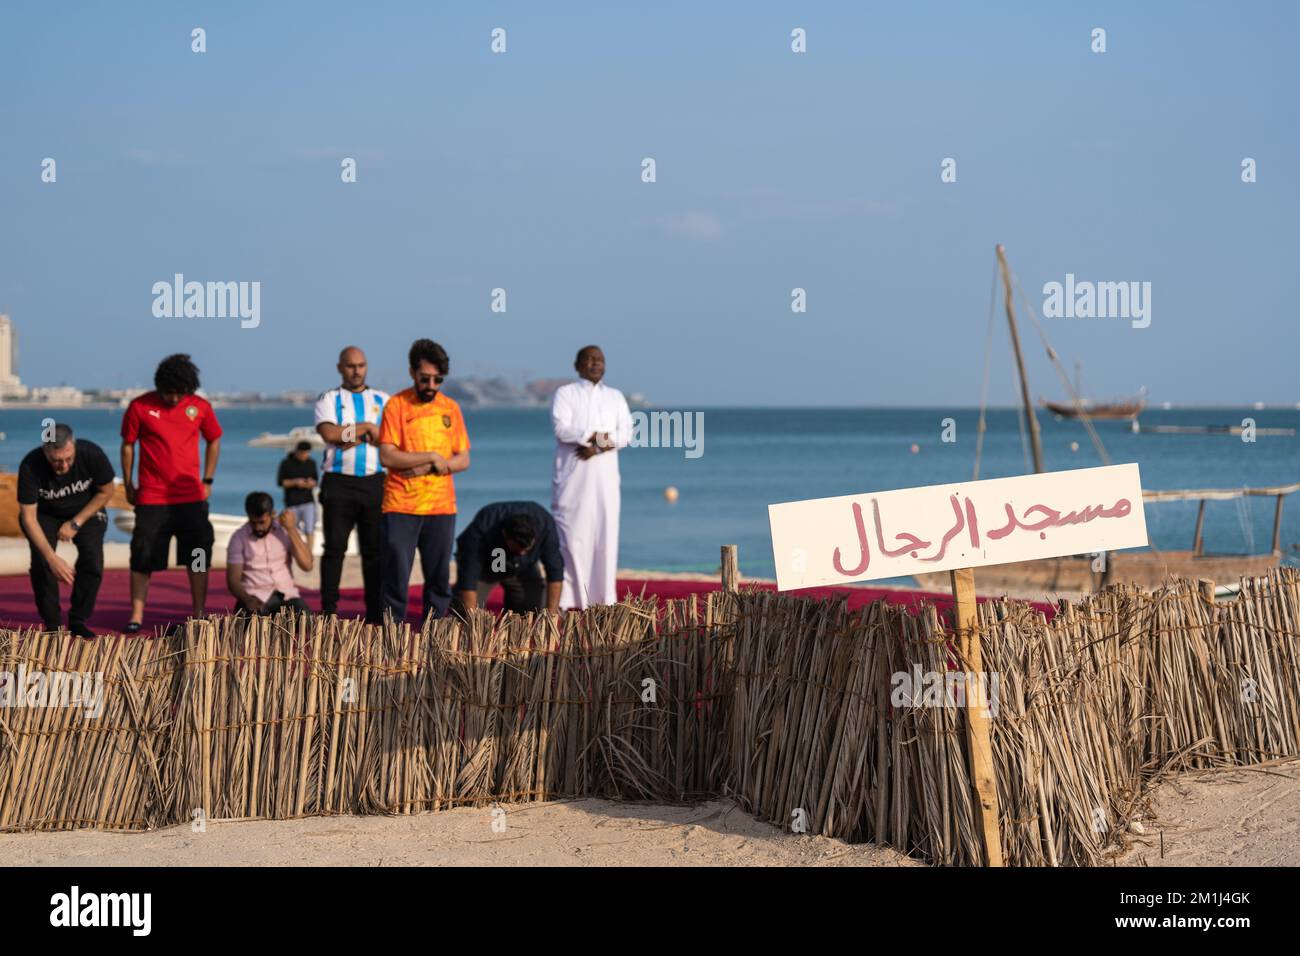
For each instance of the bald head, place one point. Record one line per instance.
(352, 368)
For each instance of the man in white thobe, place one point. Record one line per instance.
(591, 422)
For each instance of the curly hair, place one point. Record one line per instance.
(427, 350)
(176, 375)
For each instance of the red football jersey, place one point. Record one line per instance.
(169, 446)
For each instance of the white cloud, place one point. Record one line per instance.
(694, 225)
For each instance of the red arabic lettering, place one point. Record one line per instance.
(972, 524)
(1054, 518)
(1007, 528)
(965, 517)
(916, 544)
(862, 545)
(952, 532)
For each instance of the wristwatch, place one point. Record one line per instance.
(207, 481)
(75, 526)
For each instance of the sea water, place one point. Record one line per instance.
(756, 457)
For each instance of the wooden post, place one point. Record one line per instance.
(1200, 524)
(979, 741)
(1035, 440)
(1277, 526)
(730, 569)
(1206, 587)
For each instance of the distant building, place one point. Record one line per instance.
(10, 385)
(543, 389)
(496, 392)
(60, 395)
(501, 392)
(116, 396)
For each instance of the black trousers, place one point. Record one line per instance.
(524, 591)
(89, 569)
(349, 502)
(433, 536)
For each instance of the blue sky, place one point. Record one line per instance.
(775, 170)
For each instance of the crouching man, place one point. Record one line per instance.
(261, 556)
(502, 545)
(62, 488)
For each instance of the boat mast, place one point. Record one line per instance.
(1035, 439)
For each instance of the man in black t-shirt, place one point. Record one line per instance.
(62, 489)
(298, 479)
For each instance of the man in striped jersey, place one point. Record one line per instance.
(352, 486)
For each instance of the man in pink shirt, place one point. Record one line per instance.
(261, 556)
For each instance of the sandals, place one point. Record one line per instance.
(132, 627)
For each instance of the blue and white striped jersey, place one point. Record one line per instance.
(338, 406)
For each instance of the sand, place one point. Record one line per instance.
(562, 833)
(1236, 817)
(1224, 818)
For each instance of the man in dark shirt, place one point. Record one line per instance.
(62, 489)
(298, 479)
(502, 545)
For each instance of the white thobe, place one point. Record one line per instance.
(585, 494)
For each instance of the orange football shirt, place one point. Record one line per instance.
(412, 425)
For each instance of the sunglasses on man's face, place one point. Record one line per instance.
(426, 379)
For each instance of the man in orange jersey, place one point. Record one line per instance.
(422, 443)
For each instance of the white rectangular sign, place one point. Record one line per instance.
(967, 525)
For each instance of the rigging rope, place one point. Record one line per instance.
(1247, 522)
(1069, 387)
(1024, 439)
(984, 390)
(1065, 379)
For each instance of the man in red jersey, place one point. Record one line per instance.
(170, 497)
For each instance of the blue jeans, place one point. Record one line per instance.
(400, 536)
(305, 515)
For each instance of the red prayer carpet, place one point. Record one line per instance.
(169, 598)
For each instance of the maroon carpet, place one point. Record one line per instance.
(169, 598)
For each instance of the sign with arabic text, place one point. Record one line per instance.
(967, 525)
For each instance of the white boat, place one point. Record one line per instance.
(224, 526)
(302, 433)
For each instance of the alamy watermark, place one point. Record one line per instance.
(37, 688)
(75, 908)
(179, 299)
(917, 688)
(1098, 300)
(667, 430)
